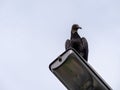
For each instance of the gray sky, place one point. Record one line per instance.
(33, 33)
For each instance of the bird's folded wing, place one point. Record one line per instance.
(67, 44)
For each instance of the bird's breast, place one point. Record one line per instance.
(77, 44)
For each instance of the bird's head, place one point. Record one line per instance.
(75, 28)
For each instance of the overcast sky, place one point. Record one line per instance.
(33, 34)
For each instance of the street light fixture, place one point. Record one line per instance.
(75, 73)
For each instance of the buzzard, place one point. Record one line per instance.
(77, 42)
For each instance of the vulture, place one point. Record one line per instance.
(77, 42)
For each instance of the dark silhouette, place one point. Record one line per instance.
(78, 43)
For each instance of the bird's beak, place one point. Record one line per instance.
(79, 27)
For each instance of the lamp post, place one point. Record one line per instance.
(75, 73)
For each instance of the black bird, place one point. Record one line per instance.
(78, 43)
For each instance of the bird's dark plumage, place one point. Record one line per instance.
(78, 43)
